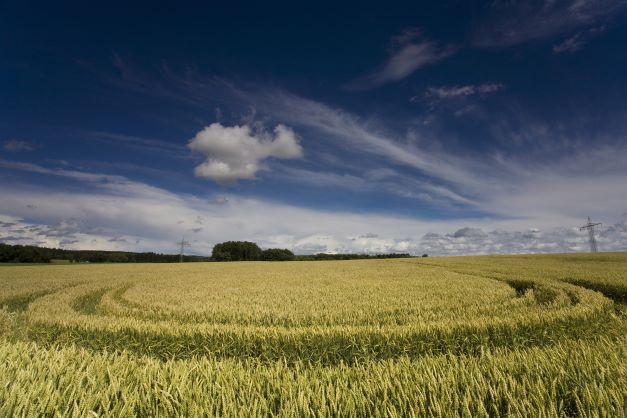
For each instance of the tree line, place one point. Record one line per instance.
(249, 251)
(224, 251)
(33, 254)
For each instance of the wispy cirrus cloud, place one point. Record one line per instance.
(572, 44)
(515, 185)
(577, 41)
(113, 183)
(408, 53)
(366, 137)
(453, 92)
(458, 100)
(565, 182)
(391, 183)
(507, 23)
(15, 145)
(136, 142)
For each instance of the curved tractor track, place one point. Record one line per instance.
(98, 315)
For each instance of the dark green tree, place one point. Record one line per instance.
(277, 254)
(236, 251)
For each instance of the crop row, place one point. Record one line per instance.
(548, 315)
(569, 379)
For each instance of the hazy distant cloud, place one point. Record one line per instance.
(469, 232)
(118, 209)
(237, 152)
(452, 92)
(219, 200)
(507, 23)
(408, 53)
(477, 241)
(334, 244)
(14, 145)
(577, 41)
(303, 240)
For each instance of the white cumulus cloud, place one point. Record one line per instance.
(238, 152)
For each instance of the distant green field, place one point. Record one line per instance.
(529, 335)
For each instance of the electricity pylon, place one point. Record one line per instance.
(183, 244)
(590, 227)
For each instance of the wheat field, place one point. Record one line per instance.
(537, 335)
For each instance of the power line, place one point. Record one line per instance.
(183, 244)
(590, 227)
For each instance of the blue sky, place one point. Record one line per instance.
(439, 127)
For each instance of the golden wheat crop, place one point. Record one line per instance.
(459, 336)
